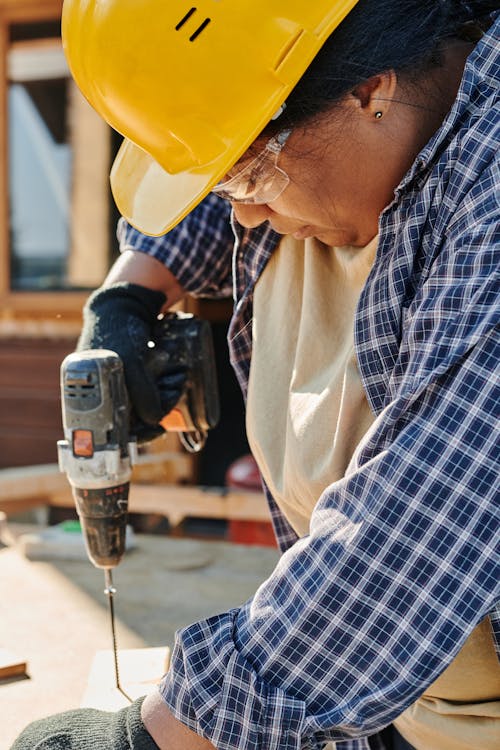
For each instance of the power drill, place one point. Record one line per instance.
(98, 452)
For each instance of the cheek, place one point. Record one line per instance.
(313, 185)
(312, 200)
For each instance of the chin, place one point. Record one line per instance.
(336, 238)
(340, 238)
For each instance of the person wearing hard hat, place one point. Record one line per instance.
(357, 143)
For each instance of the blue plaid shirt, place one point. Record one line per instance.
(402, 560)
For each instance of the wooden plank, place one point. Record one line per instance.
(176, 502)
(199, 502)
(90, 139)
(61, 306)
(30, 10)
(11, 665)
(141, 669)
(173, 501)
(30, 482)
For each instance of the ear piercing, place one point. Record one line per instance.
(378, 115)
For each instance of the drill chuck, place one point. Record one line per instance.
(103, 516)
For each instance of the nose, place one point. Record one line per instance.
(251, 214)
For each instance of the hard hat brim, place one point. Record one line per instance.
(151, 199)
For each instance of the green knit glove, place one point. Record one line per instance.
(88, 729)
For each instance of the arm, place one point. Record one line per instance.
(150, 276)
(167, 732)
(140, 268)
(197, 252)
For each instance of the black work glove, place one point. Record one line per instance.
(88, 729)
(121, 317)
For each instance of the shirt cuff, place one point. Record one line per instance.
(214, 691)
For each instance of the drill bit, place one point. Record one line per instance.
(110, 591)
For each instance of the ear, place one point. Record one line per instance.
(375, 96)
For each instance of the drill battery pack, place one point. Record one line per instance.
(183, 339)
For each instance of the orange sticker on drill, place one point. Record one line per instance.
(83, 443)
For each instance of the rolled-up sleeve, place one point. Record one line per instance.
(359, 617)
(198, 251)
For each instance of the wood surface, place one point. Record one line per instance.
(30, 409)
(56, 616)
(140, 669)
(33, 484)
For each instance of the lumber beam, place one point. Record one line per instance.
(177, 502)
(29, 486)
(38, 485)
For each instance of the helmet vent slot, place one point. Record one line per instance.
(185, 19)
(200, 28)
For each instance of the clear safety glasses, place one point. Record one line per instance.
(261, 181)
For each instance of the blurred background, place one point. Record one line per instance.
(57, 241)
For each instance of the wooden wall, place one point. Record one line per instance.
(36, 329)
(30, 411)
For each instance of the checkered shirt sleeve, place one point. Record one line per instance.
(362, 615)
(197, 251)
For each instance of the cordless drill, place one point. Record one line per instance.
(98, 452)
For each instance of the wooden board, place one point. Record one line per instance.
(38, 483)
(19, 483)
(177, 502)
(10, 665)
(141, 669)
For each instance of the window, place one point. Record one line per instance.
(61, 232)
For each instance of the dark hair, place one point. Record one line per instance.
(378, 35)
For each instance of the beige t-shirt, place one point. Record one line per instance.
(306, 413)
(307, 409)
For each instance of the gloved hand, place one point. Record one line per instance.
(88, 729)
(121, 317)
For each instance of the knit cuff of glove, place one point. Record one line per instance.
(87, 729)
(150, 301)
(137, 735)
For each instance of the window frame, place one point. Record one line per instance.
(61, 305)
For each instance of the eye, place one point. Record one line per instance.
(253, 178)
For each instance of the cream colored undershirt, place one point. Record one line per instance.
(307, 409)
(461, 709)
(306, 414)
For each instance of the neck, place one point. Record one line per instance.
(440, 87)
(426, 103)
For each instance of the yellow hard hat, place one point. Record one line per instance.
(190, 88)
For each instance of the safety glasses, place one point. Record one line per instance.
(261, 181)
